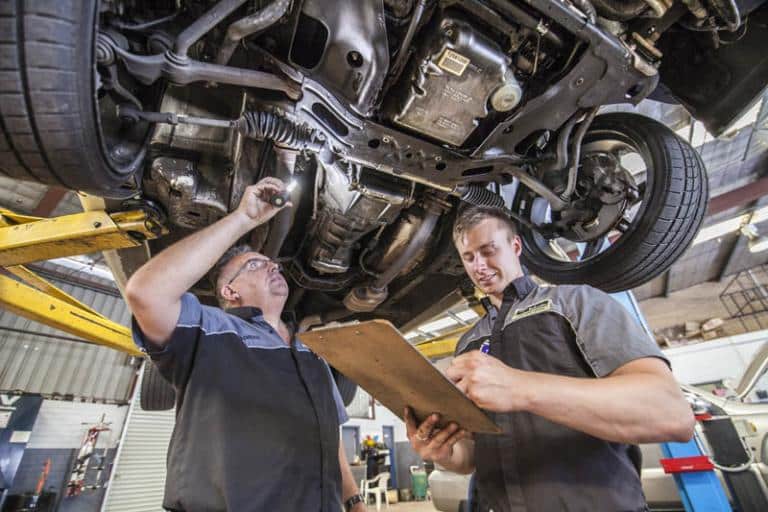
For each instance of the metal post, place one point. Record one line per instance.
(700, 490)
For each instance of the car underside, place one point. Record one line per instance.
(390, 116)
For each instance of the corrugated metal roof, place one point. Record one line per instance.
(39, 359)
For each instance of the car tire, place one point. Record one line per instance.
(674, 206)
(157, 394)
(50, 126)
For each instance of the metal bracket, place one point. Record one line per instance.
(25, 239)
(182, 70)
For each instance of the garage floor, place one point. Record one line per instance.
(411, 506)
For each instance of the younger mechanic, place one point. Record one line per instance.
(569, 375)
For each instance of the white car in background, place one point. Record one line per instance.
(449, 490)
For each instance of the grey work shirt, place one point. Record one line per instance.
(257, 421)
(538, 465)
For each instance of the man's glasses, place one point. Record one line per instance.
(254, 264)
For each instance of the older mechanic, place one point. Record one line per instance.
(572, 379)
(258, 414)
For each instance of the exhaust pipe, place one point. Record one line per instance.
(364, 299)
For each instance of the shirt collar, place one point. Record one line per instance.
(247, 313)
(519, 288)
(253, 314)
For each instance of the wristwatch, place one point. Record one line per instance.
(352, 501)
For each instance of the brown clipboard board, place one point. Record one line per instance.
(376, 356)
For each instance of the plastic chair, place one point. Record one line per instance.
(376, 486)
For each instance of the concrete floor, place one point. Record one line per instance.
(411, 506)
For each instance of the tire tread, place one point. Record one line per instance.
(657, 243)
(48, 131)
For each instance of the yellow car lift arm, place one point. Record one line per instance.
(30, 303)
(442, 346)
(24, 239)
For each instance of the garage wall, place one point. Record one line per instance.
(360, 406)
(80, 382)
(63, 424)
(383, 416)
(57, 435)
(404, 455)
(138, 477)
(38, 359)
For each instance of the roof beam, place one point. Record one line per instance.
(738, 197)
(50, 200)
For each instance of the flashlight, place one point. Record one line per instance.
(278, 200)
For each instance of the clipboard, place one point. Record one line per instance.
(376, 356)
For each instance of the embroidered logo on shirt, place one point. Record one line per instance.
(534, 309)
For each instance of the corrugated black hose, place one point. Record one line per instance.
(278, 129)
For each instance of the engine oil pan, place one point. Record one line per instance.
(453, 78)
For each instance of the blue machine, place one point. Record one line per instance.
(700, 490)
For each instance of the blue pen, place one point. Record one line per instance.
(485, 347)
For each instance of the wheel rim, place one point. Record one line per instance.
(123, 141)
(600, 148)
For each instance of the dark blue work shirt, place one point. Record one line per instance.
(257, 421)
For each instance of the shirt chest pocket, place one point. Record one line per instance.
(253, 340)
(262, 338)
(542, 343)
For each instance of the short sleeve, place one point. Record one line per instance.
(608, 335)
(341, 410)
(174, 359)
